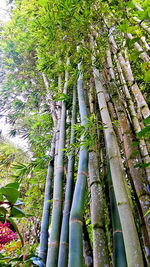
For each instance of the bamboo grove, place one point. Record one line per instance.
(88, 63)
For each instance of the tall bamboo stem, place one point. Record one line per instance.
(137, 175)
(59, 106)
(143, 54)
(63, 250)
(143, 25)
(143, 39)
(53, 248)
(119, 256)
(49, 98)
(76, 216)
(131, 241)
(100, 249)
(136, 125)
(46, 208)
(129, 76)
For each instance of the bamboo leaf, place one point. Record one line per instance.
(130, 42)
(20, 259)
(147, 212)
(141, 165)
(147, 76)
(134, 154)
(144, 133)
(147, 121)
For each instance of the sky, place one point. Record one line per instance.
(5, 127)
(3, 14)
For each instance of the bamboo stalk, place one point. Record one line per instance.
(49, 98)
(131, 241)
(53, 247)
(47, 197)
(136, 125)
(63, 250)
(100, 249)
(46, 208)
(76, 216)
(119, 256)
(129, 76)
(137, 175)
(137, 7)
(59, 106)
(143, 39)
(143, 54)
(142, 24)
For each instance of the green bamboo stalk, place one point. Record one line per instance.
(137, 176)
(76, 216)
(119, 256)
(46, 208)
(100, 249)
(131, 241)
(64, 239)
(53, 247)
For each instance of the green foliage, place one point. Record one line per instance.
(10, 193)
(9, 205)
(145, 132)
(9, 155)
(61, 97)
(88, 132)
(147, 76)
(86, 135)
(37, 39)
(26, 261)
